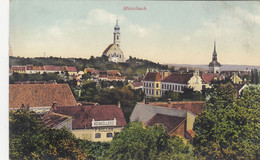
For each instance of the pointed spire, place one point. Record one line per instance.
(215, 46)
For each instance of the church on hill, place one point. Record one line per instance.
(214, 65)
(113, 51)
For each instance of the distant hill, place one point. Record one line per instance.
(225, 67)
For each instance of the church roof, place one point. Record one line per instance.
(107, 49)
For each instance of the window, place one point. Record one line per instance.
(117, 37)
(157, 85)
(109, 135)
(98, 135)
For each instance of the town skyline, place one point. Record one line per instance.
(183, 34)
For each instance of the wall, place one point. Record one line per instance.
(89, 134)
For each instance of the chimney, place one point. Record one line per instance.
(119, 105)
(53, 107)
(169, 100)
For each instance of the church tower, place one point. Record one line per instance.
(214, 65)
(113, 51)
(117, 34)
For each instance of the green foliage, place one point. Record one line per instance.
(30, 140)
(228, 128)
(138, 142)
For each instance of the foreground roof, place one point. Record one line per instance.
(39, 95)
(144, 112)
(52, 119)
(170, 122)
(82, 116)
(194, 107)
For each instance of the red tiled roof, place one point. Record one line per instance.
(82, 116)
(18, 68)
(113, 72)
(207, 77)
(152, 76)
(178, 78)
(105, 51)
(38, 68)
(71, 69)
(194, 107)
(52, 119)
(115, 78)
(52, 68)
(39, 95)
(91, 70)
(29, 67)
(170, 122)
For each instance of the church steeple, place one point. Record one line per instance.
(117, 34)
(214, 65)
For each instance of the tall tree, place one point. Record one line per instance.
(228, 128)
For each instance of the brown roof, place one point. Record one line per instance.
(38, 68)
(178, 78)
(71, 69)
(52, 68)
(207, 77)
(52, 119)
(38, 95)
(113, 72)
(152, 76)
(194, 107)
(115, 78)
(91, 70)
(18, 68)
(82, 116)
(105, 51)
(170, 122)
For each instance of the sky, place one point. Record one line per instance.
(166, 32)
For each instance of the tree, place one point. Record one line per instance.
(30, 140)
(228, 128)
(140, 142)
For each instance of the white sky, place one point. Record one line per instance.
(167, 32)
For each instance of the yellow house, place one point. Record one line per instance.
(94, 122)
(18, 69)
(152, 84)
(235, 79)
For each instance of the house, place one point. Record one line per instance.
(71, 70)
(152, 84)
(52, 69)
(57, 121)
(136, 85)
(175, 82)
(18, 69)
(113, 73)
(174, 125)
(94, 122)
(235, 79)
(89, 70)
(195, 82)
(177, 117)
(40, 97)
